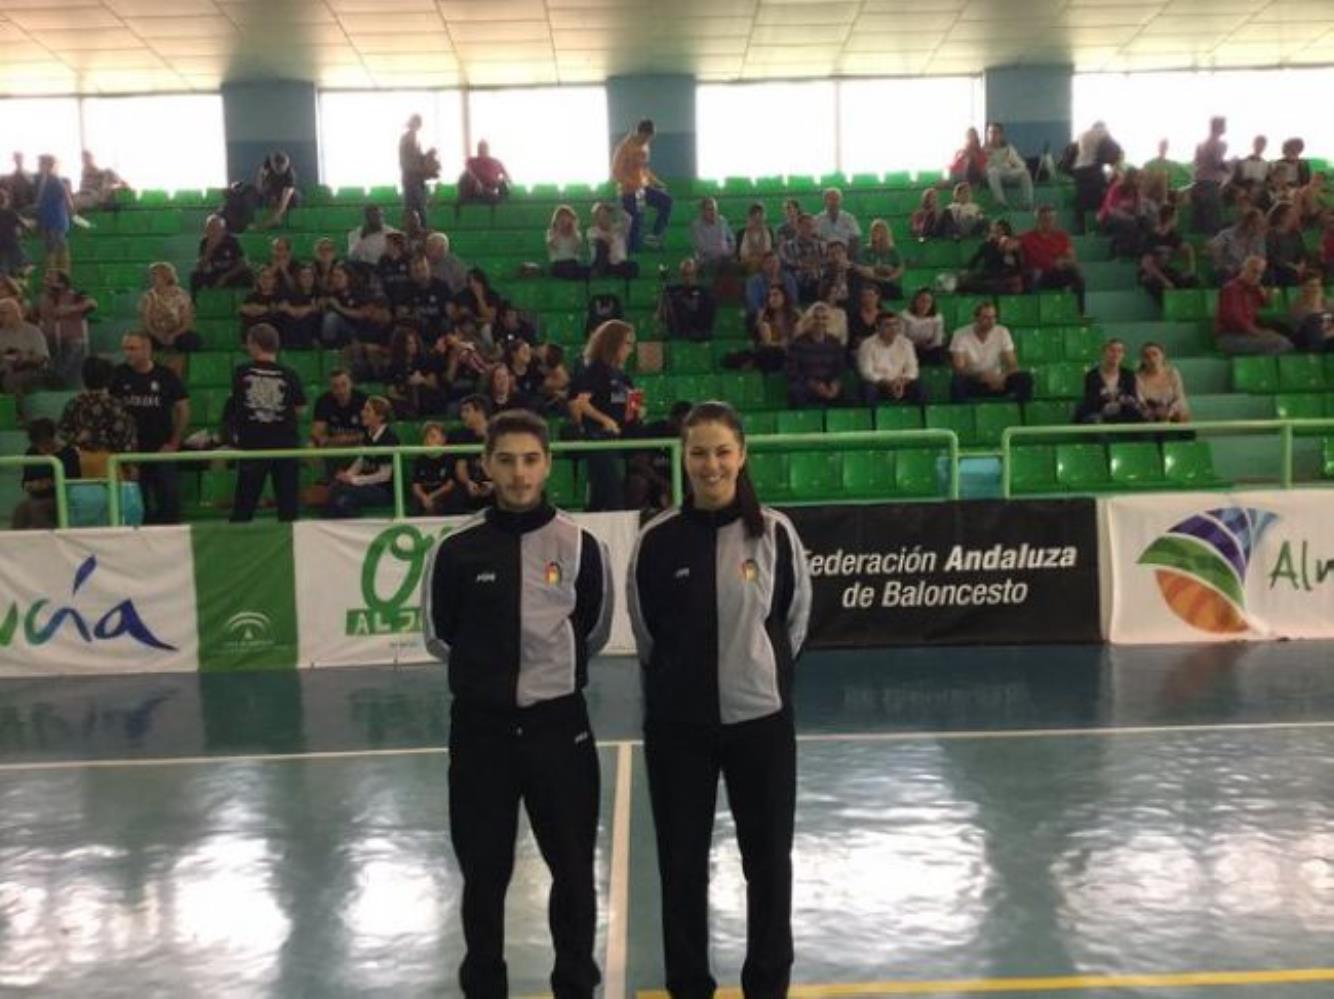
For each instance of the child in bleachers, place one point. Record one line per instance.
(433, 482)
(263, 304)
(607, 244)
(283, 264)
(299, 311)
(754, 240)
(565, 246)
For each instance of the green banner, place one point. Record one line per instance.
(245, 595)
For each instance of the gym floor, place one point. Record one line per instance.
(1049, 821)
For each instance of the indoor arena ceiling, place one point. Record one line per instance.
(120, 46)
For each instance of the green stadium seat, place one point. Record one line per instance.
(1303, 406)
(991, 420)
(844, 421)
(1080, 343)
(933, 253)
(916, 472)
(868, 474)
(153, 198)
(13, 442)
(899, 179)
(961, 419)
(1301, 373)
(689, 358)
(1048, 413)
(563, 487)
(1136, 465)
(936, 383)
(1018, 310)
(1190, 464)
(215, 303)
(305, 363)
(210, 368)
(49, 404)
(743, 389)
(898, 418)
(1058, 308)
(775, 391)
(801, 421)
(1060, 381)
(815, 475)
(768, 470)
(1082, 467)
(206, 405)
(761, 424)
(659, 392)
(1184, 305)
(9, 413)
(1327, 457)
(165, 223)
(124, 276)
(1039, 345)
(132, 223)
(1255, 375)
(696, 388)
(864, 180)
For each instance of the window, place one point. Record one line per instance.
(555, 135)
(33, 126)
(166, 142)
(766, 129)
(359, 133)
(906, 123)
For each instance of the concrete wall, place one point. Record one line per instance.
(670, 102)
(262, 117)
(1033, 103)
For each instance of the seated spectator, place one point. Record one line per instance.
(166, 312)
(923, 324)
(555, 378)
(277, 186)
(433, 482)
(473, 488)
(283, 264)
(1158, 384)
(755, 240)
(1049, 257)
(365, 244)
(864, 320)
(500, 391)
(711, 237)
(527, 374)
(484, 178)
(55, 209)
(1111, 394)
(512, 326)
(815, 362)
(834, 318)
(13, 227)
(1121, 215)
(963, 217)
(240, 202)
(771, 275)
(970, 162)
(984, 361)
(639, 186)
(326, 259)
(425, 302)
(394, 271)
(368, 481)
(1310, 201)
(880, 263)
(1290, 170)
(1094, 151)
(1233, 245)
(300, 311)
(837, 280)
(25, 361)
(411, 379)
(565, 246)
(1285, 250)
(1154, 193)
(1006, 168)
(19, 184)
(337, 420)
(414, 231)
(94, 422)
(263, 305)
(1250, 175)
(480, 301)
(925, 221)
(996, 268)
(607, 244)
(791, 216)
(1236, 328)
(222, 262)
(1312, 317)
(37, 510)
(1163, 246)
(446, 265)
(686, 307)
(834, 225)
(773, 329)
(887, 364)
(347, 312)
(804, 258)
(97, 187)
(63, 315)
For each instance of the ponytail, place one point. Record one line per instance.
(747, 499)
(749, 502)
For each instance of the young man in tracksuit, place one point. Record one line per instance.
(516, 601)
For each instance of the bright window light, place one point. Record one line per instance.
(554, 135)
(908, 123)
(765, 129)
(33, 126)
(169, 142)
(1277, 103)
(359, 133)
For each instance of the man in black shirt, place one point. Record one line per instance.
(37, 511)
(394, 270)
(369, 480)
(276, 182)
(156, 399)
(426, 300)
(337, 421)
(473, 489)
(266, 400)
(687, 308)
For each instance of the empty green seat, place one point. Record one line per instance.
(1057, 308)
(1255, 375)
(814, 475)
(689, 358)
(696, 388)
(801, 421)
(305, 363)
(1018, 310)
(1327, 457)
(1136, 464)
(1081, 343)
(761, 424)
(843, 421)
(1048, 413)
(209, 368)
(1184, 305)
(768, 470)
(1190, 463)
(49, 404)
(898, 418)
(936, 382)
(868, 474)
(916, 472)
(9, 414)
(215, 303)
(659, 392)
(562, 486)
(1082, 467)
(743, 389)
(961, 419)
(1304, 406)
(1301, 373)
(991, 420)
(1039, 345)
(1060, 381)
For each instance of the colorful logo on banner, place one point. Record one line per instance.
(392, 608)
(1201, 565)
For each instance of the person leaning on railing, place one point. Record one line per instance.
(37, 510)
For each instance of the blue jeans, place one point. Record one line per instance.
(662, 204)
(347, 500)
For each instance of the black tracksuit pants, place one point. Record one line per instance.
(545, 757)
(758, 760)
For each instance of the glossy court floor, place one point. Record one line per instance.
(1025, 821)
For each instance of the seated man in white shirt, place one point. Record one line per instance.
(887, 363)
(833, 225)
(712, 238)
(366, 243)
(984, 361)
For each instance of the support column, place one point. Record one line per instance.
(262, 117)
(670, 102)
(1034, 105)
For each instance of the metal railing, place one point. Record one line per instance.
(57, 476)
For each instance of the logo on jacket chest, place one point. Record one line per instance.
(552, 573)
(750, 571)
(487, 576)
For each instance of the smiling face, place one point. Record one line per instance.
(714, 459)
(518, 466)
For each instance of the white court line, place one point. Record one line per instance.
(616, 967)
(931, 736)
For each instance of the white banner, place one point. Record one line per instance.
(359, 586)
(99, 600)
(1225, 567)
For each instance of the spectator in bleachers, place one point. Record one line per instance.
(1154, 192)
(923, 324)
(755, 239)
(1095, 151)
(346, 311)
(1290, 170)
(887, 364)
(963, 217)
(771, 274)
(1158, 271)
(1049, 257)
(1161, 392)
(240, 202)
(1210, 173)
(159, 404)
(501, 392)
(526, 373)
(446, 265)
(20, 185)
(326, 259)
(834, 225)
(266, 402)
(55, 208)
(512, 326)
(686, 307)
(1250, 175)
(565, 246)
(62, 313)
(166, 311)
(277, 186)
(984, 361)
(1122, 215)
(791, 217)
(1161, 171)
(834, 318)
(473, 488)
(1285, 250)
(414, 232)
(1111, 394)
(880, 263)
(222, 262)
(864, 320)
(426, 301)
(366, 243)
(970, 162)
(432, 475)
(1237, 329)
(394, 271)
(711, 237)
(13, 227)
(369, 480)
(25, 361)
(1231, 246)
(774, 328)
(816, 361)
(607, 244)
(556, 378)
(648, 476)
(638, 186)
(1005, 167)
(97, 186)
(10, 289)
(283, 264)
(480, 301)
(925, 221)
(337, 421)
(37, 510)
(997, 267)
(93, 422)
(412, 381)
(416, 167)
(1312, 318)
(603, 403)
(300, 311)
(1309, 200)
(837, 279)
(804, 258)
(1327, 244)
(263, 304)
(484, 178)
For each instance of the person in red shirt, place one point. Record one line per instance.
(1121, 215)
(484, 178)
(1236, 328)
(1049, 257)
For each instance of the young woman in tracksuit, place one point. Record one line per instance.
(719, 600)
(516, 600)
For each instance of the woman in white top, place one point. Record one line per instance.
(1162, 394)
(755, 240)
(607, 241)
(925, 327)
(565, 246)
(963, 217)
(166, 311)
